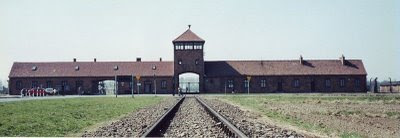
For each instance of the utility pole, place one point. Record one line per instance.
(390, 85)
(116, 87)
(154, 75)
(225, 86)
(248, 84)
(132, 86)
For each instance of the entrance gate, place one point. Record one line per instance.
(189, 83)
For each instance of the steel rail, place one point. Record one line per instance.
(158, 127)
(227, 127)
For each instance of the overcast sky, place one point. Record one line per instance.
(121, 30)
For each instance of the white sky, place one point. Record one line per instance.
(121, 30)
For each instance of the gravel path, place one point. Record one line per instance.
(247, 122)
(192, 120)
(135, 124)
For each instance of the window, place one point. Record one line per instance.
(342, 83)
(357, 83)
(246, 83)
(263, 83)
(64, 85)
(79, 83)
(198, 46)
(196, 61)
(18, 85)
(163, 84)
(296, 83)
(230, 83)
(49, 84)
(179, 46)
(327, 83)
(35, 84)
(189, 46)
(180, 62)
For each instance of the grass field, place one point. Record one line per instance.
(343, 116)
(61, 117)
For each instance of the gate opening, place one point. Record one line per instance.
(189, 83)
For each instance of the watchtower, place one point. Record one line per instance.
(188, 58)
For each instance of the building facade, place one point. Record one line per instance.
(241, 76)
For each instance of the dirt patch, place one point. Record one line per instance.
(366, 119)
(338, 116)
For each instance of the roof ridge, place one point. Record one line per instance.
(188, 35)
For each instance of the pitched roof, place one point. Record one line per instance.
(283, 67)
(188, 36)
(90, 69)
(387, 83)
(212, 68)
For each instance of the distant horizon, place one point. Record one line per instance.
(58, 31)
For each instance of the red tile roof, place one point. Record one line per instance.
(90, 69)
(188, 36)
(212, 68)
(284, 67)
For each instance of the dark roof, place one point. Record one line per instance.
(90, 69)
(387, 83)
(188, 36)
(283, 67)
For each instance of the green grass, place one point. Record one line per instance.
(350, 135)
(60, 117)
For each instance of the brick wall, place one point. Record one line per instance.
(217, 84)
(90, 84)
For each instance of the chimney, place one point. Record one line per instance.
(343, 60)
(94, 60)
(301, 60)
(138, 59)
(74, 59)
(160, 59)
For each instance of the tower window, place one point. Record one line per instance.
(180, 62)
(189, 46)
(198, 46)
(196, 61)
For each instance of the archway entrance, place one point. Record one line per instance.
(189, 82)
(106, 87)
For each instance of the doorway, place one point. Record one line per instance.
(189, 83)
(280, 89)
(312, 86)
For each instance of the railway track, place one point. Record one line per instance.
(192, 117)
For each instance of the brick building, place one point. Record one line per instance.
(256, 76)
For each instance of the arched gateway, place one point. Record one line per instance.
(188, 57)
(189, 82)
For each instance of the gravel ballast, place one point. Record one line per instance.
(192, 120)
(136, 123)
(247, 123)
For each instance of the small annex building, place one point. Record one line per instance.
(238, 76)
